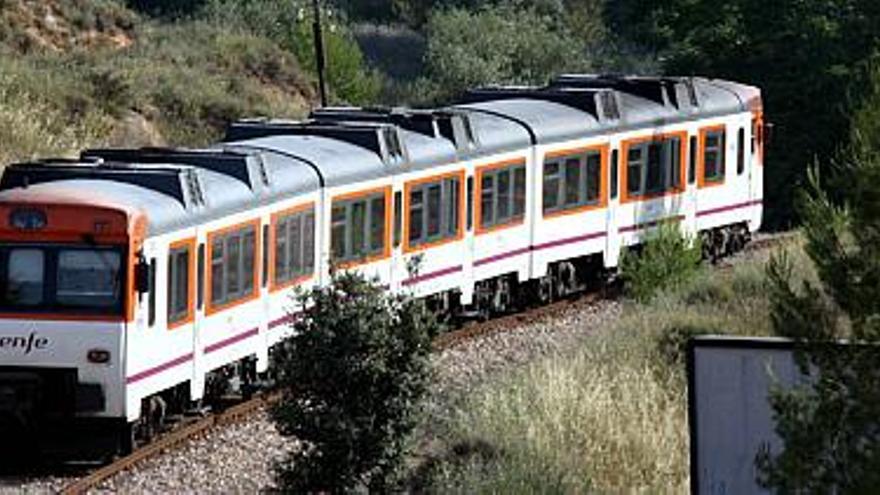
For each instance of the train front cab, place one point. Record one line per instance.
(67, 285)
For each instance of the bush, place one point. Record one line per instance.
(499, 44)
(353, 376)
(348, 77)
(666, 260)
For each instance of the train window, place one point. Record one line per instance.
(309, 243)
(151, 304)
(593, 177)
(470, 203)
(692, 160)
(519, 191)
(248, 250)
(337, 232)
(571, 182)
(54, 278)
(635, 163)
(87, 278)
(265, 255)
(502, 195)
(294, 246)
(653, 166)
(573, 189)
(615, 158)
(358, 227)
(232, 265)
(614, 172)
(200, 275)
(552, 184)
(740, 151)
(25, 276)
(713, 156)
(377, 224)
(178, 284)
(398, 217)
(434, 210)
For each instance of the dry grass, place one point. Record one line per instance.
(29, 127)
(609, 416)
(168, 83)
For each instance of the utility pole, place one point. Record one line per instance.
(319, 52)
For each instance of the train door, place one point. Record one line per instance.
(612, 247)
(690, 194)
(197, 383)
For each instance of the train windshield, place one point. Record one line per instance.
(61, 279)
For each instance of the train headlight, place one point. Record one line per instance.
(98, 356)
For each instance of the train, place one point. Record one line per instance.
(139, 283)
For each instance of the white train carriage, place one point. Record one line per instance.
(138, 282)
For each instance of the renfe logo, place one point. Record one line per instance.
(24, 344)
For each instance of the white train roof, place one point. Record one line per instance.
(262, 161)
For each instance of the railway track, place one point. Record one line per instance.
(448, 340)
(170, 440)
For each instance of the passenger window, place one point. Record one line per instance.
(398, 218)
(233, 267)
(692, 160)
(470, 203)
(248, 250)
(294, 247)
(433, 211)
(487, 189)
(653, 167)
(178, 285)
(551, 187)
(593, 177)
(740, 151)
(713, 156)
(615, 158)
(358, 227)
(377, 224)
(635, 166)
(151, 304)
(337, 232)
(200, 296)
(502, 195)
(572, 181)
(519, 191)
(576, 183)
(265, 255)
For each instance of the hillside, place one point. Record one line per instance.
(77, 73)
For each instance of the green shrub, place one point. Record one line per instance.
(348, 77)
(499, 44)
(665, 260)
(353, 376)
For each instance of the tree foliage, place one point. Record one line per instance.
(502, 44)
(666, 259)
(806, 55)
(831, 428)
(353, 375)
